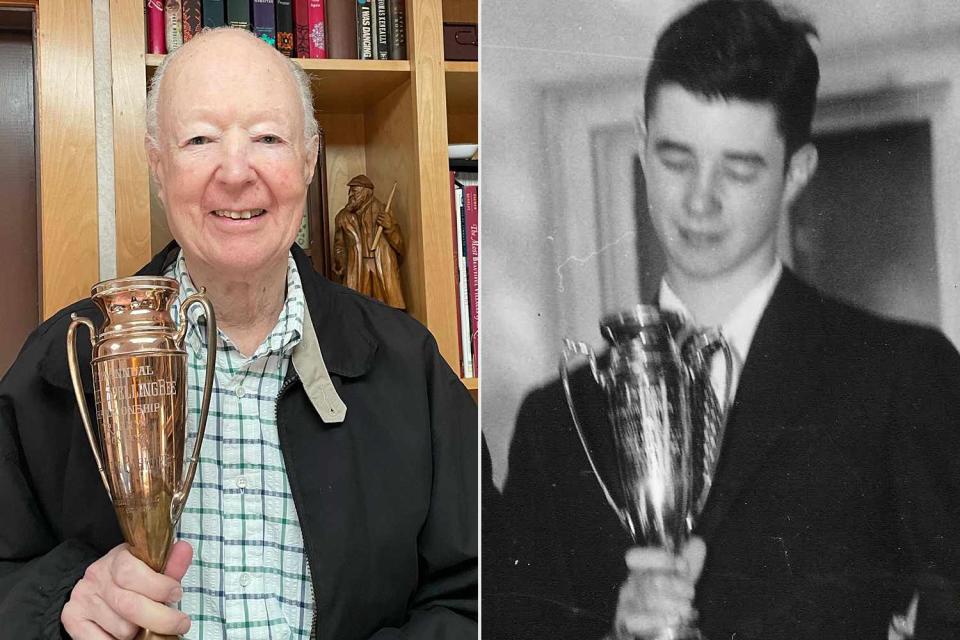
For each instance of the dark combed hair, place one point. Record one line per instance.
(746, 50)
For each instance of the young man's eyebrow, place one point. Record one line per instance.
(754, 159)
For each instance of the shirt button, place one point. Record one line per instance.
(241, 482)
(244, 579)
(241, 391)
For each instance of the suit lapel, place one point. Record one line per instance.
(776, 382)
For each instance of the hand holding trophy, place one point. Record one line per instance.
(140, 390)
(656, 454)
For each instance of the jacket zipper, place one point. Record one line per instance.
(294, 491)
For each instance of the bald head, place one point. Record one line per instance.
(212, 56)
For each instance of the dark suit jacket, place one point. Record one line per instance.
(837, 493)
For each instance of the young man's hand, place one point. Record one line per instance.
(658, 593)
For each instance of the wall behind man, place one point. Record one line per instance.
(561, 90)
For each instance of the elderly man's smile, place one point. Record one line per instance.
(244, 214)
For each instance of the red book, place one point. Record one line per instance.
(318, 28)
(471, 205)
(301, 28)
(156, 37)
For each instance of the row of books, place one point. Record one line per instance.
(465, 210)
(351, 29)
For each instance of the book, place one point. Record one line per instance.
(380, 29)
(397, 29)
(471, 206)
(156, 36)
(214, 14)
(366, 43)
(321, 239)
(173, 26)
(264, 21)
(455, 225)
(341, 28)
(238, 14)
(285, 27)
(301, 29)
(462, 286)
(192, 18)
(317, 21)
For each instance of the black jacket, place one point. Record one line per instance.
(837, 493)
(386, 499)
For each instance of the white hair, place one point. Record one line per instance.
(310, 128)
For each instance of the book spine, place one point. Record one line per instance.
(264, 21)
(462, 288)
(365, 39)
(156, 39)
(192, 18)
(472, 210)
(454, 225)
(173, 16)
(214, 14)
(382, 38)
(285, 27)
(397, 29)
(301, 29)
(318, 29)
(238, 14)
(341, 25)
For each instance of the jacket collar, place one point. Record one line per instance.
(347, 346)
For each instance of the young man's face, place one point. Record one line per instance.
(716, 183)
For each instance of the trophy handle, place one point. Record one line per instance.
(704, 344)
(570, 349)
(73, 365)
(180, 496)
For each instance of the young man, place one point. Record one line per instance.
(336, 494)
(836, 500)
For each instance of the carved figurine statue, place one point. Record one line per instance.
(368, 246)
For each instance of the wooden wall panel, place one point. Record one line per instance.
(67, 152)
(131, 181)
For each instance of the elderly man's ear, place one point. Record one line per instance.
(310, 162)
(153, 161)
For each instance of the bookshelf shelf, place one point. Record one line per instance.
(461, 80)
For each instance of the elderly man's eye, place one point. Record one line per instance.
(270, 139)
(198, 140)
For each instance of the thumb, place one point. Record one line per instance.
(694, 553)
(180, 557)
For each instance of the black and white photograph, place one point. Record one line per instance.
(721, 306)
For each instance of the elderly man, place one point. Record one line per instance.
(336, 495)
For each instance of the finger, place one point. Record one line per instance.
(146, 613)
(86, 630)
(646, 625)
(642, 559)
(110, 621)
(668, 584)
(131, 574)
(694, 554)
(179, 561)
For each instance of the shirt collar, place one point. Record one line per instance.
(742, 322)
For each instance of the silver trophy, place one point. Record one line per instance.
(656, 452)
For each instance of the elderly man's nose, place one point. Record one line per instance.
(702, 197)
(235, 167)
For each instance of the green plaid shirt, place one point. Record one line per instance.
(249, 578)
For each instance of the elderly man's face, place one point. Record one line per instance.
(232, 164)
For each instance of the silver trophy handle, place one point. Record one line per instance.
(570, 349)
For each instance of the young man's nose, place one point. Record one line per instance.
(703, 197)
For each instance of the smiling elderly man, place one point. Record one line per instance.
(336, 495)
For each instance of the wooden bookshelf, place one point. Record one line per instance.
(389, 119)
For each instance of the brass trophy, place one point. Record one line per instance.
(140, 386)
(656, 452)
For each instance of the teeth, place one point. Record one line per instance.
(239, 215)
